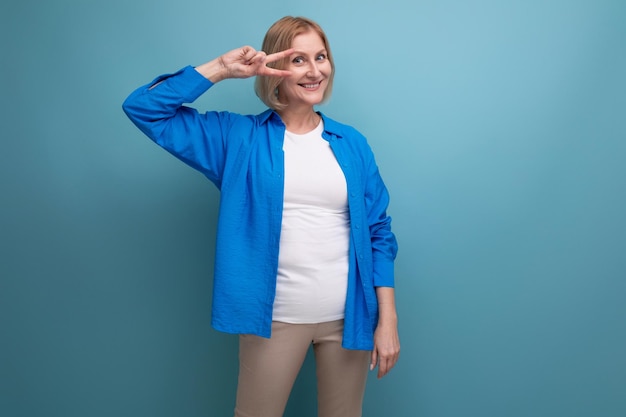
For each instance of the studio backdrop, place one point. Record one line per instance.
(498, 126)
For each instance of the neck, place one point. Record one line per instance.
(301, 120)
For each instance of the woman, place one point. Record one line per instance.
(304, 249)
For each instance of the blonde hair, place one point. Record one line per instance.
(279, 37)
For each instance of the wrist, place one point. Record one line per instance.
(387, 314)
(213, 71)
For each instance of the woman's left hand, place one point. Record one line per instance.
(386, 347)
(386, 340)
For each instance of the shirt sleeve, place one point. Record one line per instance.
(384, 244)
(158, 110)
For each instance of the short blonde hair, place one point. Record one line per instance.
(279, 37)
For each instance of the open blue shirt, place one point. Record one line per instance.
(243, 156)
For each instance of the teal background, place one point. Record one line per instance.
(499, 127)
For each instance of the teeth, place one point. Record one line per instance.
(310, 85)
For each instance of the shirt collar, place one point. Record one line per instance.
(330, 126)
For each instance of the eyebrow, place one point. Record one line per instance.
(304, 53)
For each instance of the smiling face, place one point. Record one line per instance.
(310, 69)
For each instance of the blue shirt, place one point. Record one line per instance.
(242, 155)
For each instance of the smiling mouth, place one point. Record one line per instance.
(311, 86)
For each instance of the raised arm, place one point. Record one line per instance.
(158, 108)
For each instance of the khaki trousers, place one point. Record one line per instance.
(268, 369)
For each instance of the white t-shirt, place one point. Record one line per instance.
(313, 256)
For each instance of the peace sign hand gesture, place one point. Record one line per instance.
(243, 62)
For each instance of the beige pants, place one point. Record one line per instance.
(268, 369)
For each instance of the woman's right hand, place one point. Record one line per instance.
(243, 62)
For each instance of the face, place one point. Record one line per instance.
(310, 70)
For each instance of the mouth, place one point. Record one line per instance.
(311, 86)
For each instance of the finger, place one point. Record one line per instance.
(386, 364)
(279, 55)
(273, 72)
(258, 58)
(247, 54)
(374, 359)
(383, 367)
(391, 362)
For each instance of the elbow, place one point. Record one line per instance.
(129, 108)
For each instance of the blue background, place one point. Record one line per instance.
(499, 127)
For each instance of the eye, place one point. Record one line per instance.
(298, 60)
(321, 57)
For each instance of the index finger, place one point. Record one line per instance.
(279, 55)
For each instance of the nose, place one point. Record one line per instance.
(314, 71)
